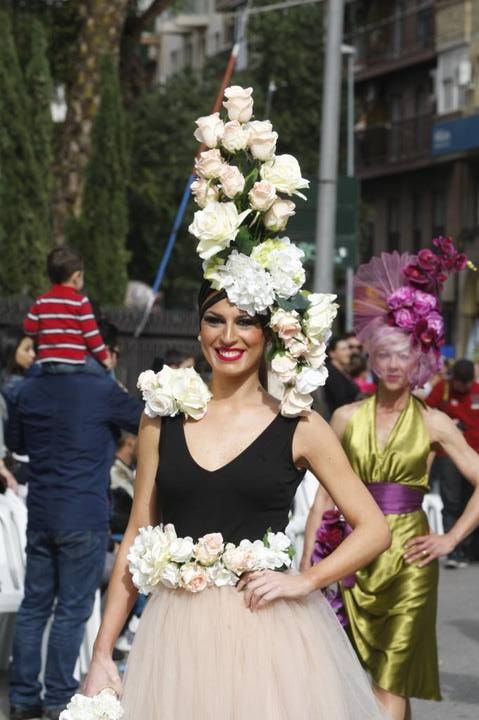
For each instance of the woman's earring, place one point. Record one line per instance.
(199, 338)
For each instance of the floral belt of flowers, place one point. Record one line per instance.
(159, 557)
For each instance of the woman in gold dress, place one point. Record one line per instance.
(391, 605)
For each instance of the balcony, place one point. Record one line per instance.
(394, 147)
(397, 41)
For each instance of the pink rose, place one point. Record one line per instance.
(403, 297)
(285, 323)
(404, 318)
(424, 303)
(193, 577)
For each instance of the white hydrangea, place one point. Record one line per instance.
(248, 285)
(104, 706)
(283, 260)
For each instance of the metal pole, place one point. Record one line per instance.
(349, 51)
(328, 165)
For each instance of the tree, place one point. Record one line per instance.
(23, 200)
(100, 232)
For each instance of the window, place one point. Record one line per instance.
(393, 237)
(188, 53)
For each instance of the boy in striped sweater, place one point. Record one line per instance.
(61, 321)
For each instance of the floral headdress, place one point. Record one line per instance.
(244, 191)
(403, 291)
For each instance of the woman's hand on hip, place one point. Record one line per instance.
(264, 586)
(103, 674)
(424, 549)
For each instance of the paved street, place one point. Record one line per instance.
(458, 651)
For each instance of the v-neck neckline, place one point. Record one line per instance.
(394, 430)
(237, 457)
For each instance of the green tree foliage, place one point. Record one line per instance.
(23, 197)
(100, 233)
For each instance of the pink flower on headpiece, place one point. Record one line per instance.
(460, 262)
(428, 260)
(425, 302)
(430, 331)
(445, 246)
(403, 297)
(404, 319)
(416, 275)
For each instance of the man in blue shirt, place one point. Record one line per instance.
(68, 426)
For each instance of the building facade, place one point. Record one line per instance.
(417, 134)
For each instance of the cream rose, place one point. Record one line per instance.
(215, 227)
(297, 346)
(309, 379)
(235, 136)
(276, 218)
(262, 195)
(284, 173)
(295, 403)
(209, 548)
(210, 130)
(232, 181)
(320, 315)
(218, 575)
(193, 577)
(209, 164)
(191, 393)
(239, 559)
(316, 357)
(285, 323)
(262, 139)
(204, 192)
(239, 103)
(159, 403)
(181, 549)
(285, 367)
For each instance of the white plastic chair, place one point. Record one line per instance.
(432, 506)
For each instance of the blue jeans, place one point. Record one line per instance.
(90, 366)
(63, 573)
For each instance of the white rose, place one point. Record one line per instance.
(279, 541)
(235, 136)
(285, 367)
(239, 103)
(297, 346)
(181, 549)
(262, 195)
(316, 357)
(276, 218)
(232, 181)
(170, 575)
(309, 379)
(209, 164)
(190, 392)
(285, 323)
(215, 227)
(320, 315)
(193, 577)
(204, 192)
(209, 548)
(218, 575)
(262, 139)
(210, 130)
(147, 380)
(284, 173)
(159, 403)
(295, 403)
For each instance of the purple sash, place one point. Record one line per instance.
(394, 498)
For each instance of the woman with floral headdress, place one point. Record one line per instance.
(391, 603)
(227, 633)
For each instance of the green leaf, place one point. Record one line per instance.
(250, 181)
(244, 240)
(297, 302)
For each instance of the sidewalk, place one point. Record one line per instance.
(458, 627)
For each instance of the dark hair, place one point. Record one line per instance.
(174, 357)
(333, 343)
(109, 332)
(62, 263)
(357, 365)
(463, 370)
(10, 339)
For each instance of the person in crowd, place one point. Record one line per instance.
(122, 477)
(6, 477)
(61, 321)
(355, 346)
(177, 359)
(359, 371)
(339, 388)
(111, 337)
(458, 397)
(17, 362)
(391, 603)
(66, 424)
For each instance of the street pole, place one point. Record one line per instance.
(328, 164)
(349, 51)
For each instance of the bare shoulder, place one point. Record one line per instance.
(438, 424)
(343, 415)
(149, 432)
(312, 431)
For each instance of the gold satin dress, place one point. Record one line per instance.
(392, 607)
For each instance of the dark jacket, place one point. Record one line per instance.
(68, 424)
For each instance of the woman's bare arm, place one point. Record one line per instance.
(122, 593)
(443, 431)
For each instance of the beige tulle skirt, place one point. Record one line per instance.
(206, 657)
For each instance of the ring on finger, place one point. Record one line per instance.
(424, 552)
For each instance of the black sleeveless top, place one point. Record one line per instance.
(242, 499)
